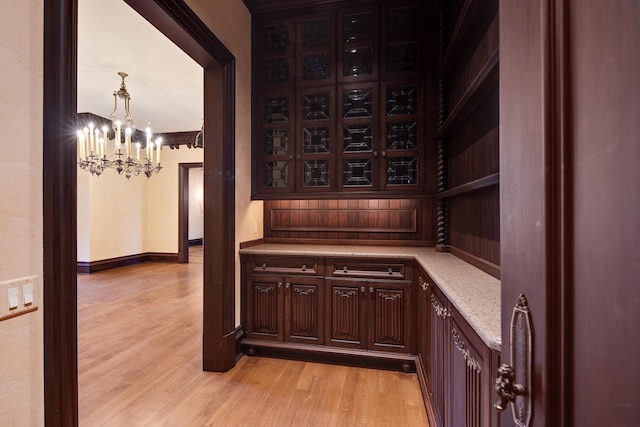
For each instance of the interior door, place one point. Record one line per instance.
(525, 216)
(570, 205)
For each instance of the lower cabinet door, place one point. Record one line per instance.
(438, 341)
(469, 404)
(389, 311)
(265, 308)
(304, 304)
(346, 313)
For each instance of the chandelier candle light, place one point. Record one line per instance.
(94, 144)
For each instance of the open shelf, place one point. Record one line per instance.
(468, 187)
(472, 14)
(485, 81)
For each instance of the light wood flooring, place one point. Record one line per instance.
(139, 362)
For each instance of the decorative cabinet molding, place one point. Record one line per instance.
(340, 106)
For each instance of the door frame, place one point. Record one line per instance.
(182, 26)
(183, 209)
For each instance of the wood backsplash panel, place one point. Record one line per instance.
(339, 220)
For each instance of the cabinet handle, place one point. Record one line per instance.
(287, 285)
(362, 289)
(264, 265)
(304, 267)
(375, 154)
(370, 289)
(279, 284)
(345, 269)
(390, 271)
(298, 156)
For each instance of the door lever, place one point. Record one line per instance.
(513, 384)
(506, 388)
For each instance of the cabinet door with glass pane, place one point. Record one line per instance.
(316, 140)
(401, 148)
(358, 137)
(277, 151)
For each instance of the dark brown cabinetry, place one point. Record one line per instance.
(369, 304)
(367, 314)
(438, 338)
(471, 377)
(284, 299)
(285, 308)
(458, 368)
(329, 306)
(339, 103)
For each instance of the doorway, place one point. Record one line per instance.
(180, 24)
(184, 191)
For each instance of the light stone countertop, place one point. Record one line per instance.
(474, 293)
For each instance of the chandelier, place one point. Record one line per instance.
(100, 148)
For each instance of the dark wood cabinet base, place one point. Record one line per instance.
(332, 355)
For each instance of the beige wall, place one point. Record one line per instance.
(21, 350)
(119, 217)
(21, 50)
(161, 217)
(110, 215)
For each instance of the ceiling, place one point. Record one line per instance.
(166, 85)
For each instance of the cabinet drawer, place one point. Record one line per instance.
(369, 268)
(286, 265)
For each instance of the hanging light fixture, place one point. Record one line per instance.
(125, 157)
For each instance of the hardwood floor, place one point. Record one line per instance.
(139, 362)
